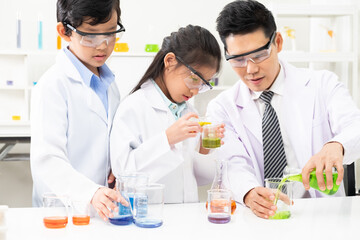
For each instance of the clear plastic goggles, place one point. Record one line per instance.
(193, 81)
(96, 39)
(257, 57)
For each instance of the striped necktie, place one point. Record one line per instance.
(274, 153)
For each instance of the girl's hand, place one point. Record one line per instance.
(183, 129)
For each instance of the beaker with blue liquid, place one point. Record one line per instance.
(148, 205)
(126, 184)
(124, 216)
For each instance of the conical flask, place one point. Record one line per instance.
(218, 182)
(124, 216)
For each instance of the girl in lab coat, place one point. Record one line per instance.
(153, 131)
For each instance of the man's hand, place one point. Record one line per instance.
(260, 201)
(103, 201)
(331, 155)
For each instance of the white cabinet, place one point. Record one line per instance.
(326, 37)
(19, 71)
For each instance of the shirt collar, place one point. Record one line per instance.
(277, 87)
(175, 108)
(86, 75)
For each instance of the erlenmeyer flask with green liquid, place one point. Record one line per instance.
(312, 180)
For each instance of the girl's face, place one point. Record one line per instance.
(176, 74)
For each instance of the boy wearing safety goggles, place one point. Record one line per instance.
(153, 131)
(277, 114)
(73, 105)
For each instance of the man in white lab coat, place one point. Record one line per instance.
(316, 121)
(72, 108)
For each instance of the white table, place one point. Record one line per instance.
(328, 218)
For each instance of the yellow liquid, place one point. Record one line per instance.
(204, 123)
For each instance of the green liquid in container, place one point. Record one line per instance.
(314, 183)
(281, 215)
(211, 142)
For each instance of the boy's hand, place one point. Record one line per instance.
(183, 129)
(103, 201)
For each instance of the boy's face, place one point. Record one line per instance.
(257, 76)
(93, 57)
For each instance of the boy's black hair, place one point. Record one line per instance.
(75, 12)
(243, 17)
(195, 45)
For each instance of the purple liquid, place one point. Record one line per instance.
(121, 220)
(219, 218)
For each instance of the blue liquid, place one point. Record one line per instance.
(131, 199)
(148, 223)
(18, 33)
(141, 202)
(121, 220)
(40, 36)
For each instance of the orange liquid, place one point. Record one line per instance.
(81, 220)
(55, 222)
(58, 42)
(218, 205)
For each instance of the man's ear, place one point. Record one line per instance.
(278, 42)
(170, 61)
(61, 31)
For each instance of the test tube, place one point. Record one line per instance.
(18, 30)
(40, 33)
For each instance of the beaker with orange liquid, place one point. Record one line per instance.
(55, 210)
(218, 183)
(80, 212)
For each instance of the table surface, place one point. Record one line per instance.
(326, 218)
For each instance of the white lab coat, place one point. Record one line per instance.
(69, 134)
(316, 108)
(138, 142)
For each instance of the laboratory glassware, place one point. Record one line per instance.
(80, 212)
(55, 210)
(219, 209)
(148, 205)
(124, 215)
(283, 191)
(218, 182)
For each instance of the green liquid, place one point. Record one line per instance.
(211, 142)
(281, 215)
(314, 183)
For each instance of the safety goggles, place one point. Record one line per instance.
(195, 80)
(96, 39)
(256, 56)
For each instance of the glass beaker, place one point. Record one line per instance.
(221, 167)
(80, 212)
(148, 205)
(55, 210)
(124, 216)
(219, 209)
(133, 179)
(211, 136)
(283, 191)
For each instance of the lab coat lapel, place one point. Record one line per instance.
(249, 114)
(113, 100)
(93, 101)
(298, 108)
